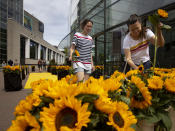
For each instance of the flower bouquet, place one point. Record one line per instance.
(12, 79)
(152, 94)
(62, 71)
(98, 71)
(65, 105)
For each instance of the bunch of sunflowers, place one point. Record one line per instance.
(151, 95)
(11, 69)
(98, 71)
(69, 106)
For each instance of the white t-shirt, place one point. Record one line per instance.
(139, 48)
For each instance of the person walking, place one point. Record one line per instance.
(82, 44)
(136, 43)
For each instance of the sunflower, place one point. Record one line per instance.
(131, 72)
(71, 79)
(27, 104)
(77, 53)
(60, 89)
(25, 123)
(162, 13)
(170, 84)
(67, 111)
(93, 88)
(112, 85)
(121, 118)
(142, 98)
(104, 104)
(155, 83)
(141, 68)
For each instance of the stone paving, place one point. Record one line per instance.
(8, 102)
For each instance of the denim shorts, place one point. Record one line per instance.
(80, 69)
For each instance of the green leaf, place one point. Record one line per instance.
(94, 119)
(152, 119)
(165, 119)
(87, 97)
(154, 19)
(125, 99)
(166, 27)
(46, 99)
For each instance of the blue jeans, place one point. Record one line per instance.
(146, 65)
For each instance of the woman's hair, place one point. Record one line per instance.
(132, 20)
(83, 24)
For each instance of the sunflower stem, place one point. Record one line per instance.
(155, 49)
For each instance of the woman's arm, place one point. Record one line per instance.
(72, 48)
(128, 58)
(160, 38)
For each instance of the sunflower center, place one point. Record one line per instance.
(118, 119)
(28, 128)
(66, 117)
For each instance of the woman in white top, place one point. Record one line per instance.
(83, 43)
(136, 43)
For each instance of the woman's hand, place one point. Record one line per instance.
(93, 68)
(70, 58)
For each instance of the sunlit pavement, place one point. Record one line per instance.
(8, 102)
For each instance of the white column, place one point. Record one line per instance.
(39, 51)
(27, 48)
(46, 54)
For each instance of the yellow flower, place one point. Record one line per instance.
(143, 97)
(27, 104)
(67, 111)
(141, 68)
(121, 118)
(155, 83)
(60, 89)
(162, 13)
(170, 85)
(77, 53)
(112, 85)
(131, 72)
(25, 123)
(104, 104)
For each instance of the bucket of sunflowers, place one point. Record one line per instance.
(152, 95)
(12, 79)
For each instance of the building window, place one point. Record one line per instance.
(28, 22)
(43, 52)
(33, 50)
(49, 54)
(41, 27)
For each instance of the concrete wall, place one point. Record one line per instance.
(14, 31)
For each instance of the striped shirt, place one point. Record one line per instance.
(83, 44)
(139, 48)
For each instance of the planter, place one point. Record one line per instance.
(145, 126)
(23, 74)
(62, 74)
(172, 116)
(33, 68)
(12, 82)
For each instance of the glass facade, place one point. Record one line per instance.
(33, 50)
(8, 9)
(109, 28)
(49, 54)
(43, 53)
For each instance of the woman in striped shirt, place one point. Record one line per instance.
(83, 44)
(136, 43)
